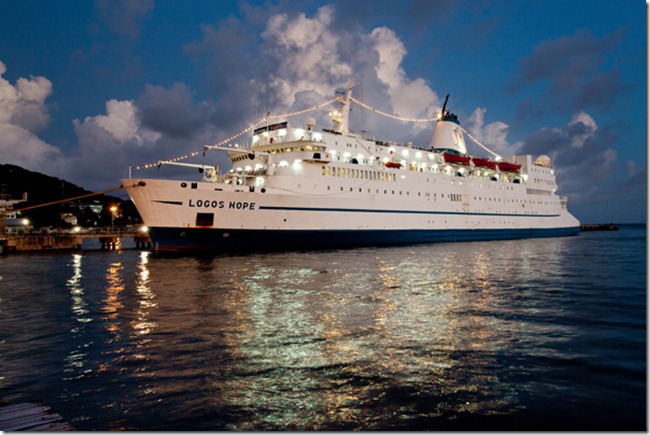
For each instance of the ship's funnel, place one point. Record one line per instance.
(448, 136)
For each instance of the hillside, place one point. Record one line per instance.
(41, 189)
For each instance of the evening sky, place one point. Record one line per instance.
(89, 88)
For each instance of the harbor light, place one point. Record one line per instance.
(76, 229)
(24, 222)
(144, 229)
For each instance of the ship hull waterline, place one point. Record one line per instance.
(237, 240)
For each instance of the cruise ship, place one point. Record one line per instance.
(300, 187)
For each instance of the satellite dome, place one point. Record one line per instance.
(544, 161)
(311, 122)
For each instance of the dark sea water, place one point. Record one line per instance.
(545, 334)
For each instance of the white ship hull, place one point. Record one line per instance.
(234, 218)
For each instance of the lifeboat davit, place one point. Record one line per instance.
(456, 159)
(484, 163)
(508, 167)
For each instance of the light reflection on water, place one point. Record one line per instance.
(393, 338)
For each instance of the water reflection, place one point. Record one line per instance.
(327, 340)
(318, 347)
(142, 325)
(76, 360)
(394, 338)
(145, 296)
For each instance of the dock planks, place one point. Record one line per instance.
(31, 416)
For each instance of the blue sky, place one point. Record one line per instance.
(89, 88)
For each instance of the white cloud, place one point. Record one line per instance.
(22, 113)
(306, 53)
(121, 121)
(586, 124)
(493, 135)
(409, 98)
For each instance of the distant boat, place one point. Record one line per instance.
(297, 187)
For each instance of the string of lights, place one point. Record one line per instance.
(365, 106)
(480, 144)
(244, 131)
(399, 118)
(302, 112)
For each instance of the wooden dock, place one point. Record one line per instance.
(31, 416)
(109, 239)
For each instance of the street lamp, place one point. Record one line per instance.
(113, 210)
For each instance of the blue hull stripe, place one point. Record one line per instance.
(214, 239)
(369, 210)
(168, 202)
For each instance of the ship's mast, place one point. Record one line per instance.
(341, 117)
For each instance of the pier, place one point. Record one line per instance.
(32, 416)
(109, 239)
(598, 227)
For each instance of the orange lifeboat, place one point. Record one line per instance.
(393, 165)
(456, 159)
(484, 163)
(508, 167)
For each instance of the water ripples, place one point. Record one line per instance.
(533, 334)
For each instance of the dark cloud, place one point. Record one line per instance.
(574, 69)
(590, 170)
(123, 17)
(172, 112)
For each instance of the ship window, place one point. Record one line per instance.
(194, 185)
(204, 219)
